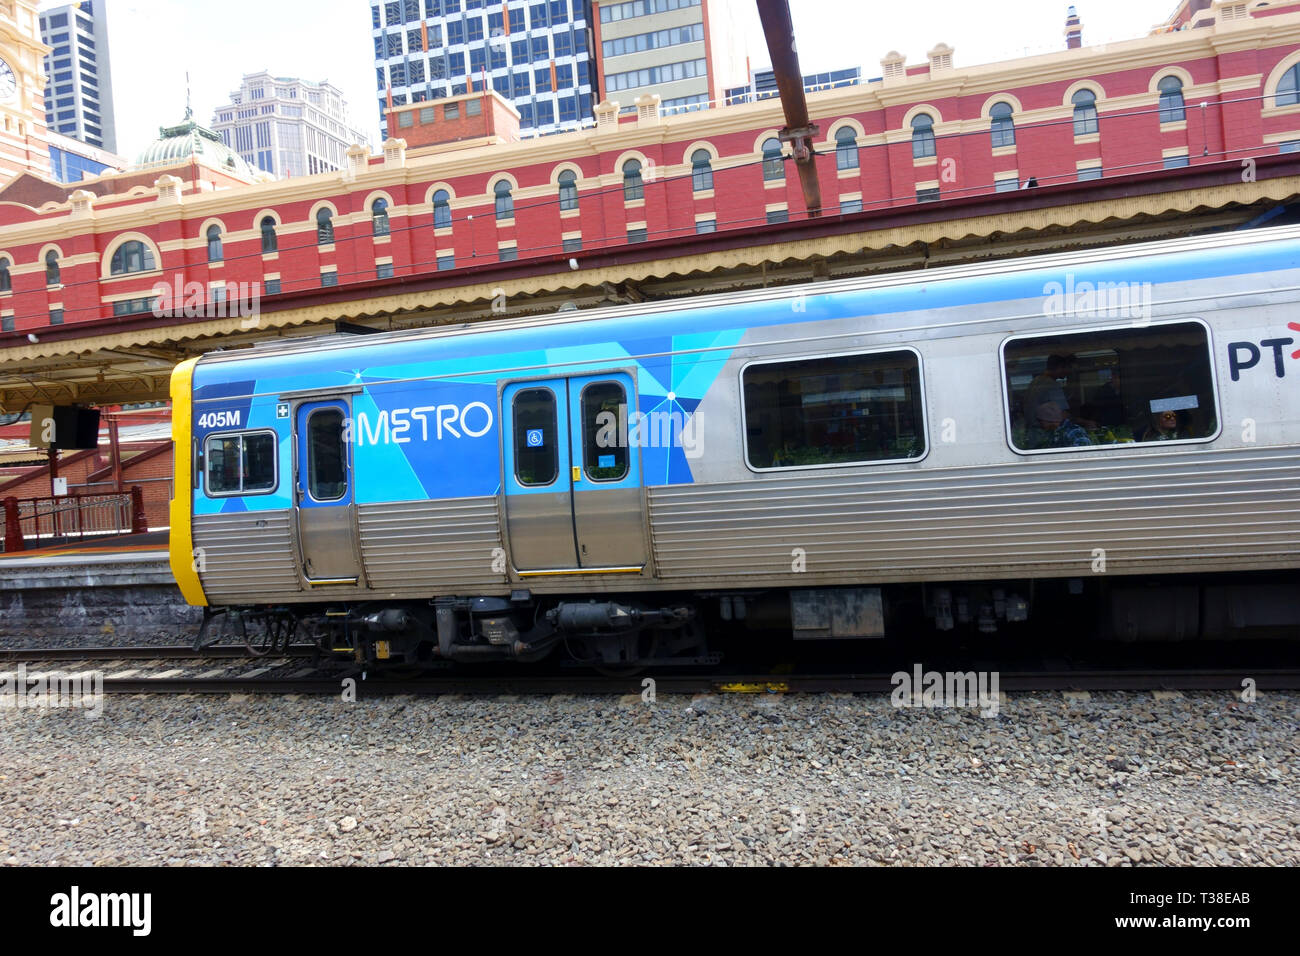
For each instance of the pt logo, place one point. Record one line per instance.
(1246, 355)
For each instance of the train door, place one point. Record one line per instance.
(572, 480)
(324, 494)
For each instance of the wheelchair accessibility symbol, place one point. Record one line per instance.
(534, 438)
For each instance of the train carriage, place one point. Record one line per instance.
(962, 441)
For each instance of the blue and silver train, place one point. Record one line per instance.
(948, 448)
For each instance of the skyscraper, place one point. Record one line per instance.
(79, 93)
(286, 126)
(536, 54)
(685, 51)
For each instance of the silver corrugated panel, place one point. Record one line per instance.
(245, 555)
(430, 545)
(1182, 510)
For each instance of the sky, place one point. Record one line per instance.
(154, 43)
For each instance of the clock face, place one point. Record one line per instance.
(8, 82)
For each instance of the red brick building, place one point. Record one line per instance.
(462, 192)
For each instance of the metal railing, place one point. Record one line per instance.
(41, 521)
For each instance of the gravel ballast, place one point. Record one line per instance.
(1113, 780)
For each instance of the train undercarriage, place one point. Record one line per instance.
(620, 633)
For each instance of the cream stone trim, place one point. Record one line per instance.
(928, 184)
(774, 183)
(859, 131)
(506, 223)
(377, 194)
(444, 253)
(850, 196)
(1088, 164)
(434, 187)
(1097, 89)
(322, 204)
(634, 203)
(1290, 136)
(1087, 138)
(383, 260)
(1177, 127)
(629, 154)
(703, 194)
(853, 173)
(919, 108)
(1013, 101)
(706, 217)
(638, 224)
(507, 244)
(1171, 70)
(1004, 150)
(567, 167)
(208, 223)
(125, 296)
(1007, 174)
(268, 276)
(918, 162)
(576, 234)
(1275, 76)
(1175, 151)
(262, 214)
(496, 178)
(571, 213)
(763, 137)
(106, 259)
(703, 144)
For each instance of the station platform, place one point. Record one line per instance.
(93, 592)
(94, 549)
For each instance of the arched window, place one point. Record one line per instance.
(442, 209)
(379, 217)
(324, 228)
(214, 243)
(1171, 100)
(701, 170)
(846, 148)
(6, 283)
(1288, 88)
(1003, 126)
(773, 166)
(633, 187)
(133, 256)
(505, 202)
(922, 135)
(1085, 112)
(568, 181)
(52, 268)
(269, 242)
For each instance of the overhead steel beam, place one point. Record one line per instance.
(799, 131)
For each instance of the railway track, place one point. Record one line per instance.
(231, 670)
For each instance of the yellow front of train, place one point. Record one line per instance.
(184, 562)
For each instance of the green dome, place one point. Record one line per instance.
(189, 140)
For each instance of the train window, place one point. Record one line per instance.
(1111, 387)
(241, 464)
(536, 457)
(604, 431)
(830, 411)
(327, 478)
